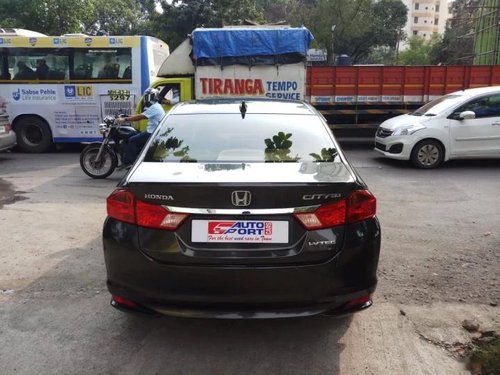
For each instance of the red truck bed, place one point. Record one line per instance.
(393, 84)
(356, 97)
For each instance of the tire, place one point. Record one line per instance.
(101, 169)
(33, 134)
(427, 154)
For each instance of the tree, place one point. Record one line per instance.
(360, 25)
(116, 17)
(53, 17)
(57, 17)
(420, 51)
(179, 18)
(276, 11)
(457, 46)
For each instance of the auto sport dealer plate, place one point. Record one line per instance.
(239, 231)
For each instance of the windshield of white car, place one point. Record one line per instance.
(437, 105)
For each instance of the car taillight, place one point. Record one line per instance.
(154, 216)
(328, 215)
(359, 206)
(8, 128)
(122, 205)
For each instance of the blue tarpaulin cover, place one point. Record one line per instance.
(233, 42)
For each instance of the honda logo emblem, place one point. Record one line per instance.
(241, 198)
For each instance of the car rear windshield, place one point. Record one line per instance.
(229, 137)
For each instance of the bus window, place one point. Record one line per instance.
(38, 64)
(102, 64)
(4, 68)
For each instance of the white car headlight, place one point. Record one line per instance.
(408, 129)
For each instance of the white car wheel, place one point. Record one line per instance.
(427, 154)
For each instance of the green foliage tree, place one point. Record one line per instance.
(116, 17)
(380, 55)
(179, 18)
(420, 51)
(457, 45)
(57, 17)
(360, 25)
(276, 11)
(52, 17)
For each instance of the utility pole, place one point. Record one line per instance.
(333, 53)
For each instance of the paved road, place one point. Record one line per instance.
(439, 265)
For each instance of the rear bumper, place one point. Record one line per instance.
(243, 291)
(343, 306)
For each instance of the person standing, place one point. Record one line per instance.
(153, 113)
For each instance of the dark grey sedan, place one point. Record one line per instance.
(242, 209)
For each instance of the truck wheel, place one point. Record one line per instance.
(427, 154)
(33, 134)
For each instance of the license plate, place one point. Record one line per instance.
(239, 231)
(2, 129)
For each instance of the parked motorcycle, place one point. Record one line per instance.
(99, 160)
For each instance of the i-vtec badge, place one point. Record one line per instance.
(321, 243)
(309, 197)
(159, 197)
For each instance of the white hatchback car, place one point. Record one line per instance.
(461, 125)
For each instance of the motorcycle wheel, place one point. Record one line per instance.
(97, 168)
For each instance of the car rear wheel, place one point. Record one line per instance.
(33, 134)
(428, 154)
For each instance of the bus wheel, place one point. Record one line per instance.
(33, 134)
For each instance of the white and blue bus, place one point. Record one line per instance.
(56, 89)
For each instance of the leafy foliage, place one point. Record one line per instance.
(167, 146)
(116, 17)
(57, 17)
(488, 357)
(179, 18)
(420, 51)
(361, 26)
(457, 45)
(278, 148)
(327, 155)
(53, 17)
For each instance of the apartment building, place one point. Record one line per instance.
(426, 17)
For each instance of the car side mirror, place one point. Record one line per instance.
(467, 115)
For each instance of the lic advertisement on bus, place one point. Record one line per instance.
(285, 82)
(72, 111)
